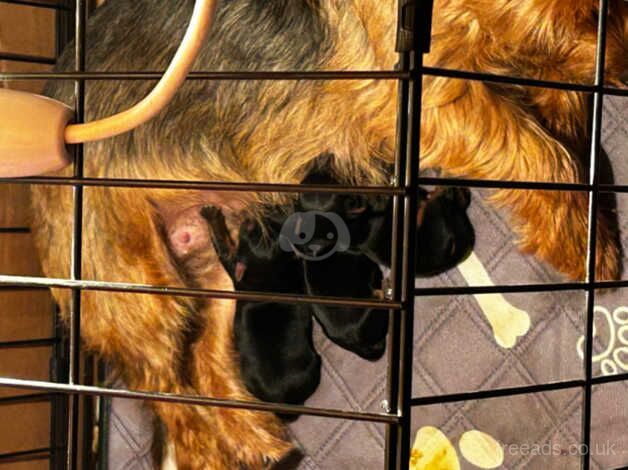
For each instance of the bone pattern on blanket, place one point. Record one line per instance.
(509, 323)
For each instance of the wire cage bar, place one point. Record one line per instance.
(596, 146)
(403, 190)
(319, 75)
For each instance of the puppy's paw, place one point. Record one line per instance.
(212, 214)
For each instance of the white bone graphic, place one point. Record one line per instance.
(508, 322)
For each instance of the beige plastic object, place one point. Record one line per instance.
(31, 134)
(34, 130)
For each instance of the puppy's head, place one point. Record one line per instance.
(366, 334)
(314, 235)
(445, 234)
(353, 212)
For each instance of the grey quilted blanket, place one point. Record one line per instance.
(469, 343)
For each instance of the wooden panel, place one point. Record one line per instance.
(27, 431)
(23, 314)
(30, 31)
(27, 30)
(24, 363)
(17, 255)
(28, 465)
(13, 205)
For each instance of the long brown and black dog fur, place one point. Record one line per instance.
(272, 131)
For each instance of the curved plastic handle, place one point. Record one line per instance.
(162, 94)
(34, 130)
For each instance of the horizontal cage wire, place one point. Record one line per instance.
(410, 77)
(310, 188)
(322, 75)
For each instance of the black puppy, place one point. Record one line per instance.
(332, 246)
(444, 237)
(360, 330)
(326, 232)
(277, 358)
(344, 239)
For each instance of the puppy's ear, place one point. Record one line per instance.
(316, 201)
(463, 196)
(224, 245)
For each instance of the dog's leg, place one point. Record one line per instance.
(143, 336)
(219, 438)
(508, 144)
(147, 350)
(255, 439)
(237, 437)
(170, 459)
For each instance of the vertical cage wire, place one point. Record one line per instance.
(80, 17)
(407, 177)
(394, 350)
(596, 145)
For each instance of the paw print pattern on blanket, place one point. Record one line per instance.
(432, 450)
(614, 358)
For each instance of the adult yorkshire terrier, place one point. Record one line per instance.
(273, 131)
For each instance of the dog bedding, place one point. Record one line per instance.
(470, 343)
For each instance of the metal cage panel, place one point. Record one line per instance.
(404, 191)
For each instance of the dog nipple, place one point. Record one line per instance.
(185, 238)
(188, 233)
(181, 241)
